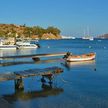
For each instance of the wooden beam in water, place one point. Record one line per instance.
(30, 73)
(33, 55)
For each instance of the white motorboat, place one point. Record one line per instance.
(21, 45)
(2, 46)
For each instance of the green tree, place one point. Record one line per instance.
(53, 30)
(37, 30)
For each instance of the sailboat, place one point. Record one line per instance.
(87, 36)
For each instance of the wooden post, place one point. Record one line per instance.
(43, 80)
(19, 84)
(36, 58)
(49, 77)
(46, 86)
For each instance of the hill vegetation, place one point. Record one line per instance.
(23, 31)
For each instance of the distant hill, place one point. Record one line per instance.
(104, 36)
(23, 31)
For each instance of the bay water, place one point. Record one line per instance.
(80, 85)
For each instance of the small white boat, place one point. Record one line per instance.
(83, 57)
(91, 38)
(88, 38)
(3, 47)
(21, 45)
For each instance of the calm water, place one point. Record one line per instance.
(79, 86)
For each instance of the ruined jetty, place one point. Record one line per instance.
(19, 75)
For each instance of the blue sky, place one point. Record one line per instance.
(72, 17)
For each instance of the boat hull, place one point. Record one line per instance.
(84, 57)
(25, 45)
(3, 47)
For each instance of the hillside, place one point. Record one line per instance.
(23, 31)
(104, 36)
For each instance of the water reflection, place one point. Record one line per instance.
(17, 52)
(47, 90)
(70, 65)
(17, 62)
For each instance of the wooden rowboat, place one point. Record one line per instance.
(83, 57)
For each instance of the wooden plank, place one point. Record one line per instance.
(29, 73)
(33, 55)
(7, 76)
(38, 72)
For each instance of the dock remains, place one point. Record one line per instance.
(30, 73)
(33, 56)
(18, 76)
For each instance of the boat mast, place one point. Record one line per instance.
(88, 32)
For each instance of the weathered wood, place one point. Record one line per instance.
(19, 84)
(33, 56)
(29, 73)
(7, 76)
(36, 58)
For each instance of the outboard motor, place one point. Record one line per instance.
(67, 55)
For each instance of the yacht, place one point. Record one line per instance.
(3, 46)
(25, 44)
(88, 38)
(91, 38)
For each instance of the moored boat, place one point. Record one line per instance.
(21, 45)
(3, 47)
(83, 57)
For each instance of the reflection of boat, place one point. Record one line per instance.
(83, 57)
(69, 65)
(2, 46)
(25, 44)
(72, 64)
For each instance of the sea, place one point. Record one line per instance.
(80, 85)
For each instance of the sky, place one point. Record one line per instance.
(72, 17)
